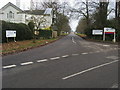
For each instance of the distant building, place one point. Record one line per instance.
(12, 13)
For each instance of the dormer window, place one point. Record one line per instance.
(10, 15)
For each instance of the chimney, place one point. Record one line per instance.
(31, 5)
(18, 3)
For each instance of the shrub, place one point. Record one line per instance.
(22, 31)
(45, 33)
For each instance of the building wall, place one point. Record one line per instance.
(16, 18)
(48, 21)
(25, 18)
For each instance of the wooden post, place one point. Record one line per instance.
(14, 39)
(103, 36)
(7, 39)
(114, 40)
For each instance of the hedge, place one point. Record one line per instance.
(45, 33)
(22, 31)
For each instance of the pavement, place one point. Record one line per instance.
(70, 62)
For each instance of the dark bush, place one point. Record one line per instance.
(22, 31)
(45, 33)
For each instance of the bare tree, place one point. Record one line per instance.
(84, 9)
(117, 12)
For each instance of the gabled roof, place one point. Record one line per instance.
(10, 4)
(48, 11)
(35, 12)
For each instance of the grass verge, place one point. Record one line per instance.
(13, 47)
(95, 40)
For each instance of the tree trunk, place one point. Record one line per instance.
(103, 8)
(87, 12)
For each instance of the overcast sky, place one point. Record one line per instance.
(25, 4)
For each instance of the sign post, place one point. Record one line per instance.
(97, 32)
(114, 40)
(10, 33)
(104, 36)
(109, 31)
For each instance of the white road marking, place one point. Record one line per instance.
(26, 63)
(115, 48)
(106, 45)
(75, 54)
(73, 40)
(65, 56)
(84, 71)
(84, 53)
(98, 44)
(97, 51)
(91, 52)
(115, 86)
(54, 58)
(112, 57)
(44, 60)
(9, 66)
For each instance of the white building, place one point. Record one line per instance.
(12, 13)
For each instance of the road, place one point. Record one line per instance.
(70, 62)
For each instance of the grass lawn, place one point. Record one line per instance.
(12, 47)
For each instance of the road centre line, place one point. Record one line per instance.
(84, 71)
(84, 53)
(106, 45)
(54, 58)
(97, 51)
(26, 63)
(75, 54)
(9, 66)
(44, 60)
(65, 56)
(73, 40)
(91, 52)
(115, 86)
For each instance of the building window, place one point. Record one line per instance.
(10, 15)
(7, 15)
(13, 15)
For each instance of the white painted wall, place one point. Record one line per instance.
(48, 21)
(25, 18)
(18, 18)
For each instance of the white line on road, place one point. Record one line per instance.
(84, 53)
(73, 40)
(54, 58)
(97, 51)
(106, 45)
(91, 52)
(75, 54)
(115, 85)
(44, 60)
(112, 57)
(26, 63)
(9, 66)
(89, 69)
(65, 56)
(115, 48)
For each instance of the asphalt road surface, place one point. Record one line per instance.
(70, 62)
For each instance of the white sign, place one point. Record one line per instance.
(97, 32)
(10, 33)
(109, 30)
